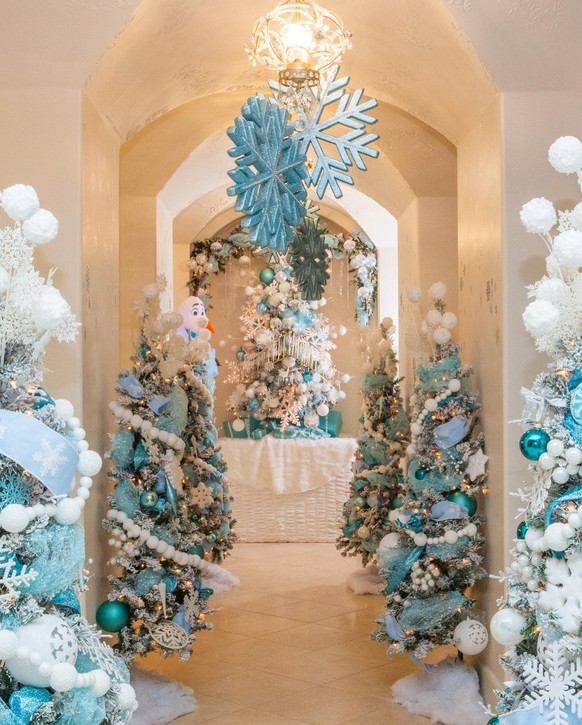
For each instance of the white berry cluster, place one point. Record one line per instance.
(561, 461)
(430, 406)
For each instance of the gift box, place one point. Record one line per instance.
(331, 423)
(250, 425)
(259, 433)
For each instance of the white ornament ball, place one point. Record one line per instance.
(551, 289)
(470, 529)
(414, 294)
(390, 541)
(126, 697)
(437, 291)
(555, 537)
(431, 405)
(470, 637)
(8, 644)
(434, 317)
(565, 154)
(573, 456)
(63, 677)
(322, 410)
(454, 385)
(555, 447)
(441, 335)
(532, 536)
(89, 463)
(41, 228)
(364, 532)
(14, 518)
(451, 537)
(540, 317)
(50, 309)
(416, 429)
(538, 215)
(52, 638)
(546, 461)
(506, 626)
(560, 475)
(19, 201)
(450, 320)
(68, 511)
(420, 539)
(567, 248)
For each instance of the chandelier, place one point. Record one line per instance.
(299, 39)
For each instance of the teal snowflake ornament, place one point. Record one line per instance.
(317, 130)
(307, 255)
(14, 488)
(270, 173)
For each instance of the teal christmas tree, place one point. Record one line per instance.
(540, 618)
(284, 371)
(56, 669)
(376, 486)
(431, 557)
(158, 600)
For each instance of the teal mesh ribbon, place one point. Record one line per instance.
(397, 563)
(58, 554)
(23, 704)
(424, 614)
(434, 378)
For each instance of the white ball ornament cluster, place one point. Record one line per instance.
(126, 416)
(145, 536)
(506, 626)
(430, 405)
(423, 580)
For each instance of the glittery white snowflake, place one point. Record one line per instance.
(201, 496)
(50, 457)
(554, 685)
(13, 576)
(563, 593)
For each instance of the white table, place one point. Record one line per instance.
(288, 489)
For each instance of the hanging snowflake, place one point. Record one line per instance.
(307, 255)
(315, 130)
(554, 685)
(270, 173)
(13, 575)
(201, 496)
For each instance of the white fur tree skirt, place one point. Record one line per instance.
(365, 581)
(219, 579)
(448, 693)
(160, 700)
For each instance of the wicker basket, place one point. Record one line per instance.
(312, 516)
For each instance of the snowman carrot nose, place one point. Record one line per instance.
(210, 327)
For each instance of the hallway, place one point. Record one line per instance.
(291, 645)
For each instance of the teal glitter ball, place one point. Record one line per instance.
(198, 550)
(397, 502)
(112, 616)
(211, 537)
(420, 473)
(148, 499)
(266, 275)
(469, 502)
(522, 530)
(493, 721)
(533, 443)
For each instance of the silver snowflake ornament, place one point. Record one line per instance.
(554, 685)
(317, 130)
(270, 174)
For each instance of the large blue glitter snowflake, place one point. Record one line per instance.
(316, 130)
(14, 488)
(270, 173)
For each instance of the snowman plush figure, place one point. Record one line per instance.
(195, 324)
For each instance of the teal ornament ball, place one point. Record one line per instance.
(533, 443)
(198, 550)
(420, 473)
(266, 275)
(469, 502)
(211, 537)
(112, 616)
(493, 721)
(522, 530)
(397, 502)
(148, 499)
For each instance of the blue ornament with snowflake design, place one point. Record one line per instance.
(270, 174)
(317, 130)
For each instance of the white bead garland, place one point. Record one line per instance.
(136, 421)
(134, 530)
(430, 405)
(556, 536)
(449, 536)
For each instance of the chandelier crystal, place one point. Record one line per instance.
(299, 39)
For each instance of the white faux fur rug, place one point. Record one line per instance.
(159, 699)
(447, 693)
(219, 579)
(365, 581)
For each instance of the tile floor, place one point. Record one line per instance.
(291, 646)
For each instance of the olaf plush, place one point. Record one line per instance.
(194, 320)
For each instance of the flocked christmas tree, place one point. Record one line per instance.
(377, 479)
(431, 557)
(540, 619)
(55, 666)
(284, 368)
(163, 518)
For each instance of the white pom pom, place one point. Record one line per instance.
(68, 511)
(64, 408)
(41, 228)
(441, 335)
(551, 289)
(4, 280)
(322, 410)
(568, 248)
(449, 320)
(431, 405)
(454, 385)
(451, 537)
(434, 317)
(14, 518)
(50, 309)
(63, 677)
(89, 463)
(19, 201)
(8, 644)
(150, 291)
(540, 317)
(203, 334)
(126, 697)
(565, 154)
(555, 538)
(414, 294)
(538, 215)
(437, 291)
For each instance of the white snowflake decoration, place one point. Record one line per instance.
(554, 685)
(316, 132)
(50, 458)
(201, 496)
(13, 579)
(563, 592)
